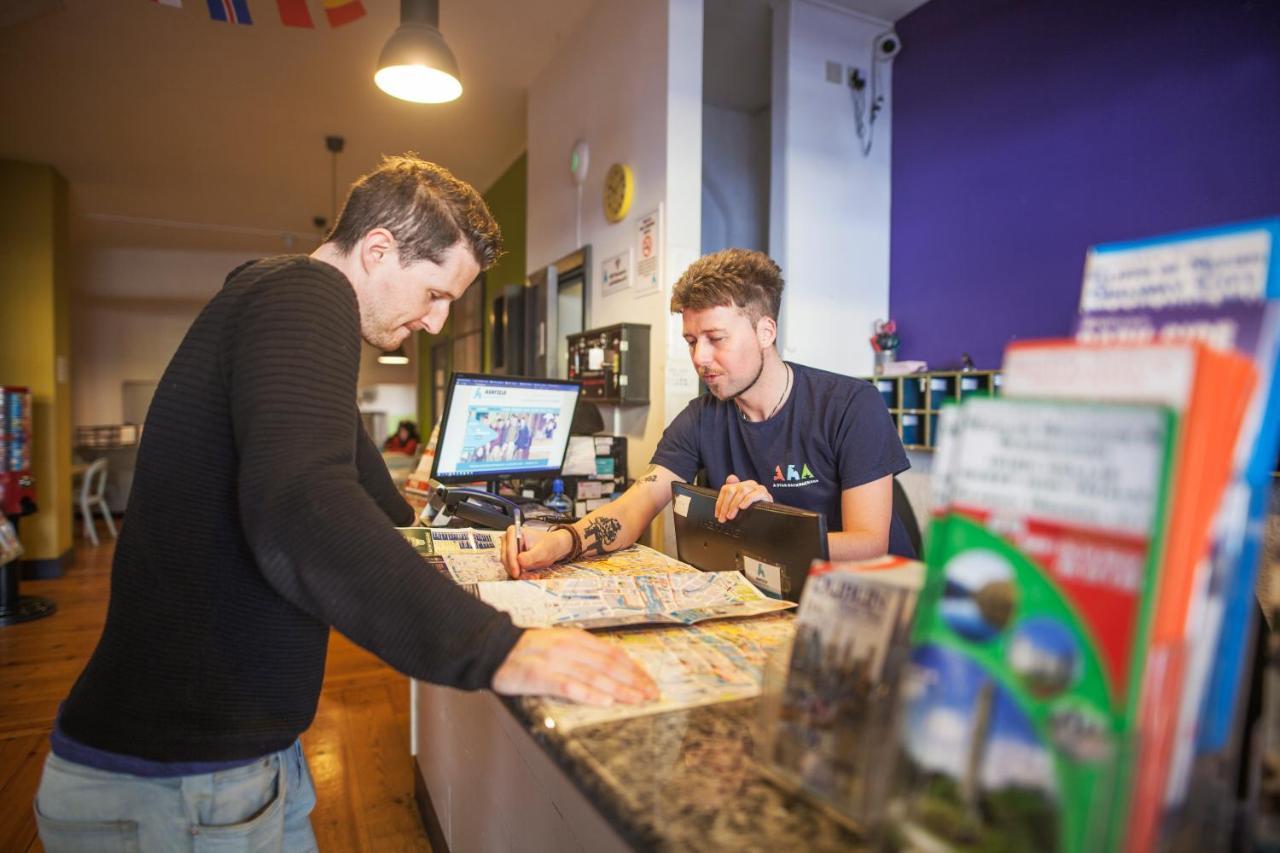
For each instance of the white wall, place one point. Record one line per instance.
(396, 400)
(829, 222)
(629, 82)
(131, 309)
(735, 179)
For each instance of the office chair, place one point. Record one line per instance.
(902, 509)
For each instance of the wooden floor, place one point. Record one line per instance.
(358, 747)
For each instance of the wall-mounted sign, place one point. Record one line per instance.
(615, 273)
(649, 252)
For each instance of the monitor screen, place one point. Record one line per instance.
(503, 426)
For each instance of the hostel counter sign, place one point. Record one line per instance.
(649, 252)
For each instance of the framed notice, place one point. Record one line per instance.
(649, 252)
(615, 273)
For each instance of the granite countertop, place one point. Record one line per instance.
(687, 780)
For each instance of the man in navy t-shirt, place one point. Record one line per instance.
(768, 430)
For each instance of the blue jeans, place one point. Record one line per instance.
(263, 806)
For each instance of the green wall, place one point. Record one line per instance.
(35, 335)
(507, 201)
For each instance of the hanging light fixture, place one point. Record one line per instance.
(416, 64)
(396, 356)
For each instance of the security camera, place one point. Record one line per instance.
(887, 45)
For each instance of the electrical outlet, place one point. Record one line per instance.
(835, 72)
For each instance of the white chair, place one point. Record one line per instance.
(92, 489)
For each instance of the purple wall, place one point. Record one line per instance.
(1026, 130)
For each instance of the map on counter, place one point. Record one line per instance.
(635, 560)
(693, 666)
(665, 598)
(469, 555)
(465, 540)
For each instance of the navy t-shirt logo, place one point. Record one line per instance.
(793, 475)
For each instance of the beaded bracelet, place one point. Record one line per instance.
(576, 551)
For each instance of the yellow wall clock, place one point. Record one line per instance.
(619, 190)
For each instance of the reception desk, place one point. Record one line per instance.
(492, 776)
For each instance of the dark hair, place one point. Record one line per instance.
(412, 429)
(731, 277)
(424, 207)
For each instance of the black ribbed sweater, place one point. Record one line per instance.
(258, 517)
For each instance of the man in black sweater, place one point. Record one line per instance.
(261, 514)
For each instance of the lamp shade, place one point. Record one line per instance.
(416, 65)
(396, 356)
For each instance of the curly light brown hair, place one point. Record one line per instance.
(425, 208)
(741, 278)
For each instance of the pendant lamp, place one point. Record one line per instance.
(416, 64)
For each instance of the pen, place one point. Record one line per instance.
(519, 519)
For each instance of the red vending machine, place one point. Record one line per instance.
(17, 486)
(17, 498)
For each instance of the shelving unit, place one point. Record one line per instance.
(914, 400)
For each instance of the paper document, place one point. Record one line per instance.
(615, 601)
(699, 665)
(469, 556)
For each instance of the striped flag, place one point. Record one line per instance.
(341, 12)
(235, 11)
(294, 13)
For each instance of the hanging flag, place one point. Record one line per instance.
(294, 13)
(177, 4)
(341, 12)
(235, 11)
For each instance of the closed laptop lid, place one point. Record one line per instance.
(772, 544)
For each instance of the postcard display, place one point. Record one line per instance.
(1081, 633)
(1220, 286)
(1019, 704)
(829, 709)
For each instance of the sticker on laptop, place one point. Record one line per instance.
(766, 576)
(682, 505)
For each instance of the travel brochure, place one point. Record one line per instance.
(680, 598)
(692, 666)
(831, 730)
(634, 586)
(1219, 286)
(1021, 699)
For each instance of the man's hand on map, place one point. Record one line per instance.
(541, 549)
(571, 664)
(736, 495)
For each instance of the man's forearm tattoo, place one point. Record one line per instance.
(650, 475)
(600, 533)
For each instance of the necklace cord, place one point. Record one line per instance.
(778, 405)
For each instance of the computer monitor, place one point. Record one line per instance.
(773, 545)
(503, 426)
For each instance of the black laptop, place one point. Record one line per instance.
(771, 544)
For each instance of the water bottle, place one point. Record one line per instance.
(558, 501)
